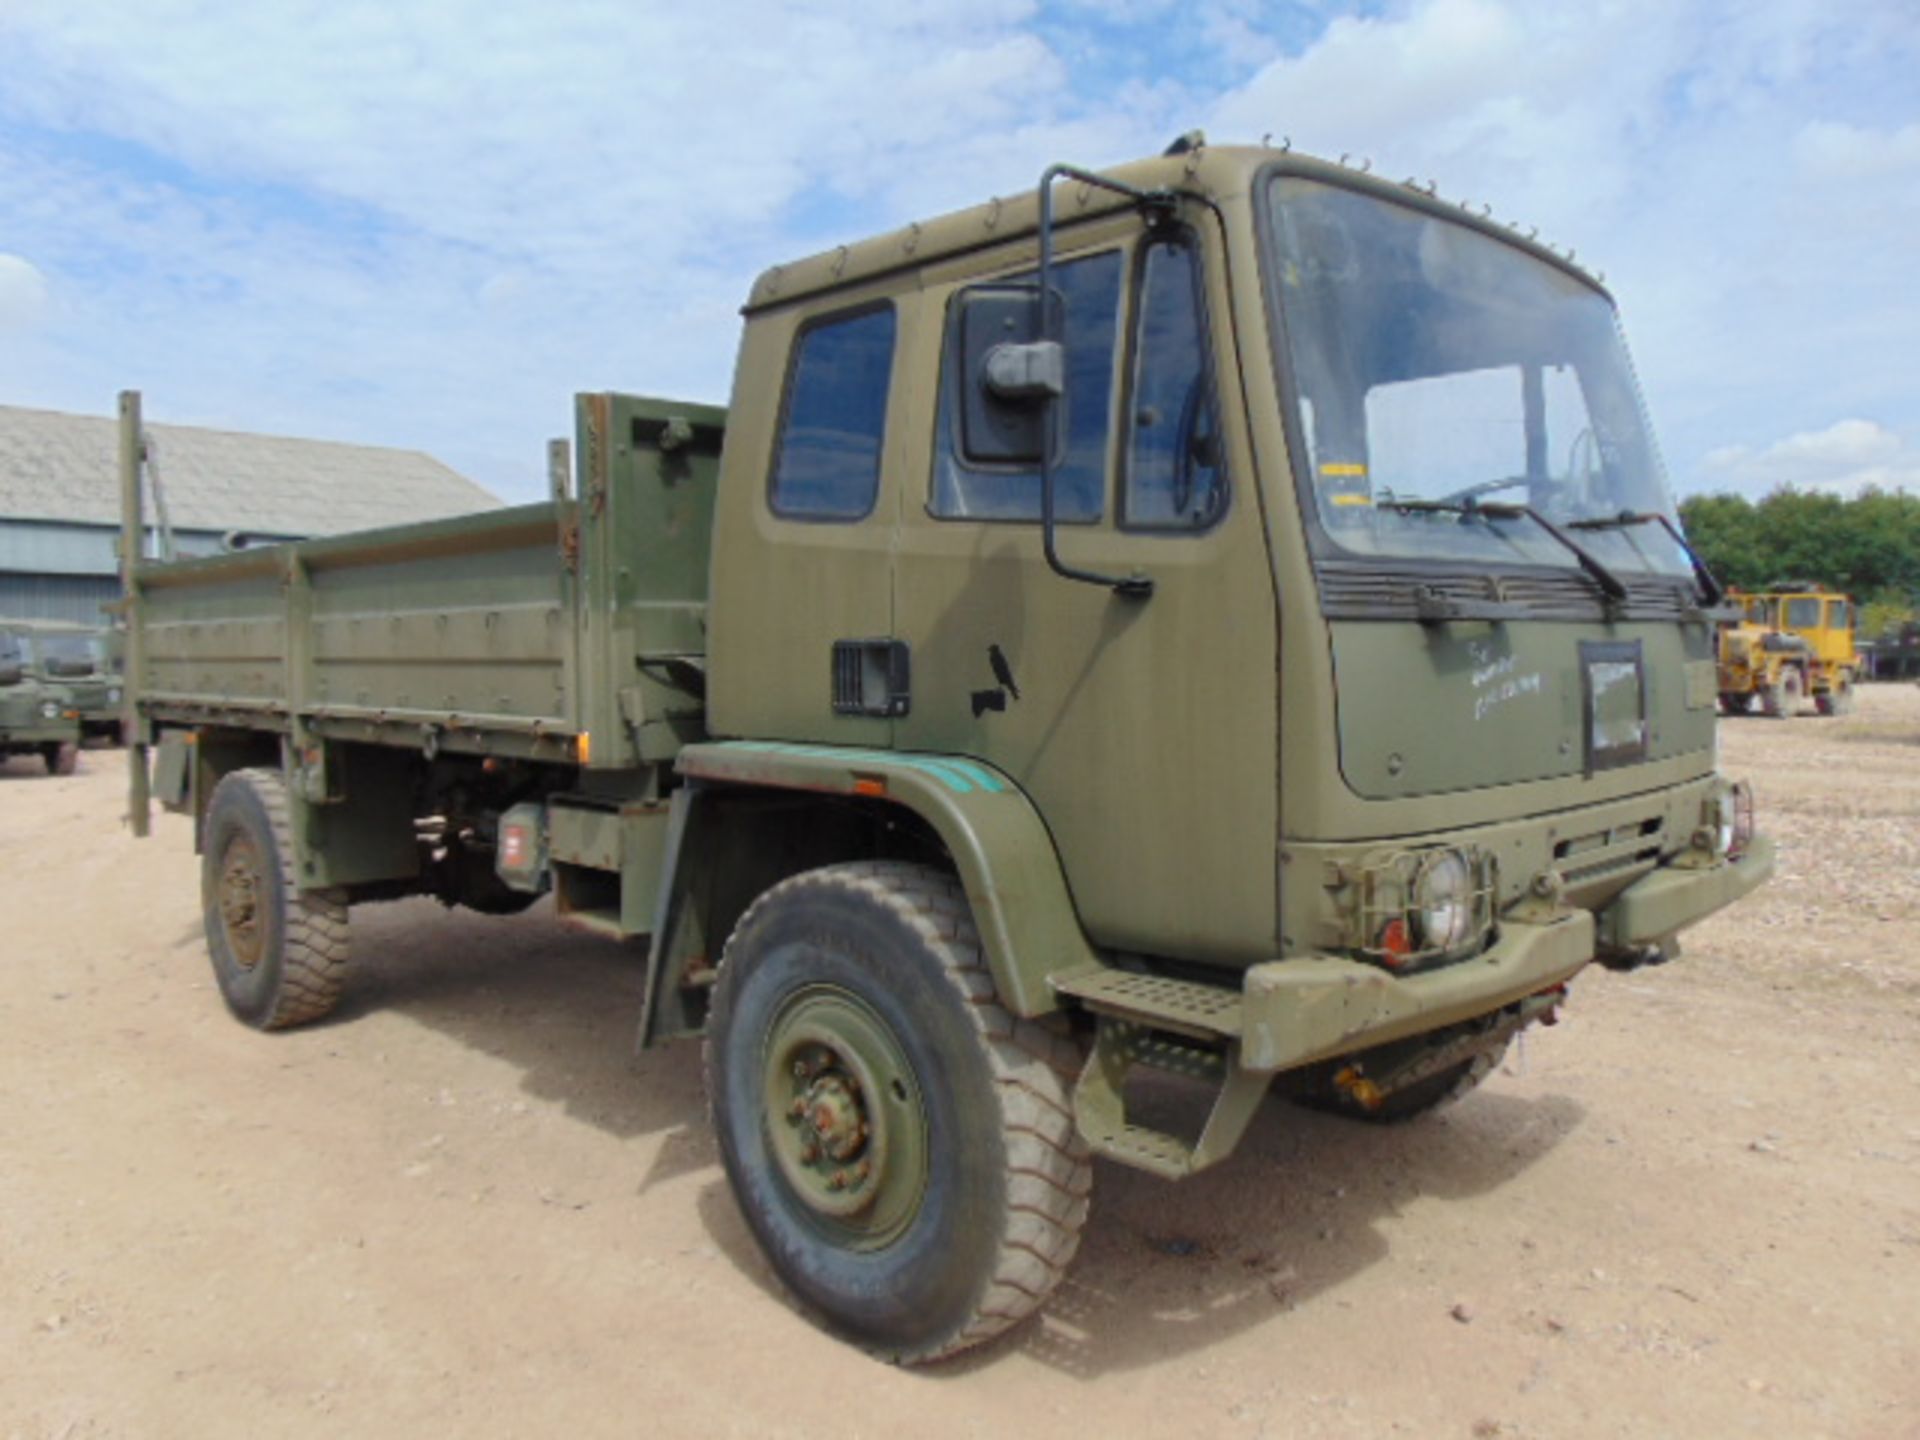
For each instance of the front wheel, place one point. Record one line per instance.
(1782, 698)
(1838, 699)
(902, 1147)
(59, 758)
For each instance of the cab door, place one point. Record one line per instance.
(1142, 728)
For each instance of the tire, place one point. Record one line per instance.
(975, 1184)
(1732, 702)
(279, 952)
(1838, 699)
(61, 758)
(1782, 698)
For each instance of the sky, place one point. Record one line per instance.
(427, 223)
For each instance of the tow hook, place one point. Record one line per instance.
(1556, 996)
(1634, 958)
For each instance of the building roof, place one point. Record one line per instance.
(55, 466)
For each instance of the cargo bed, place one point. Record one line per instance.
(477, 634)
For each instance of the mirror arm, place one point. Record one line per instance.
(1135, 587)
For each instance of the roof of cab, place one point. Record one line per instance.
(1215, 173)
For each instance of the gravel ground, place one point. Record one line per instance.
(465, 1207)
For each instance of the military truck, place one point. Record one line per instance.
(1221, 617)
(1785, 644)
(74, 657)
(36, 717)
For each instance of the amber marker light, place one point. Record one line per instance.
(868, 785)
(1396, 941)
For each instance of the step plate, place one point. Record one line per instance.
(1183, 1006)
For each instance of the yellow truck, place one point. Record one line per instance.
(1790, 642)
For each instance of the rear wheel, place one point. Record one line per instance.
(279, 952)
(902, 1147)
(1732, 702)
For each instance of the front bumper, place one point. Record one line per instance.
(28, 737)
(1652, 909)
(1313, 1008)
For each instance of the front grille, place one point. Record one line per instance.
(1354, 590)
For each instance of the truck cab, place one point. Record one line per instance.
(75, 658)
(1381, 473)
(37, 716)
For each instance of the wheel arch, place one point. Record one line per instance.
(972, 816)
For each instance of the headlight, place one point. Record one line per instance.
(1726, 822)
(1443, 900)
(113, 695)
(50, 709)
(1740, 803)
(1417, 905)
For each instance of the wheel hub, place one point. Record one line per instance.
(845, 1121)
(833, 1113)
(239, 901)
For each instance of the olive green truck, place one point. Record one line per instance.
(38, 714)
(1220, 617)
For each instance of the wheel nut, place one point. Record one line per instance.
(797, 1109)
(837, 1181)
(809, 1152)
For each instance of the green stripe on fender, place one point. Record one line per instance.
(960, 776)
(999, 846)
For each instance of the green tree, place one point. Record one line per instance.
(1868, 546)
(1725, 531)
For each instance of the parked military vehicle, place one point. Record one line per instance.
(36, 717)
(73, 657)
(1222, 616)
(1784, 645)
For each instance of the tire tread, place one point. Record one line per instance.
(1049, 1169)
(314, 958)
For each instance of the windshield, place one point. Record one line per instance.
(1436, 365)
(61, 654)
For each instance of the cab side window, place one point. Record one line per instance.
(1175, 477)
(1089, 290)
(827, 463)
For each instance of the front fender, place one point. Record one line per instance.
(1000, 846)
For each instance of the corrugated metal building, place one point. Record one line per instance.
(60, 499)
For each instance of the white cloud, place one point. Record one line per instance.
(1833, 150)
(428, 224)
(1758, 296)
(1845, 458)
(23, 293)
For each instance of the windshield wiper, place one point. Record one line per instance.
(1712, 592)
(1610, 584)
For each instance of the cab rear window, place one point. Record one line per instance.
(827, 466)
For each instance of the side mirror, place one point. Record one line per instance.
(1009, 378)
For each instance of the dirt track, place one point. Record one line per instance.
(463, 1207)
